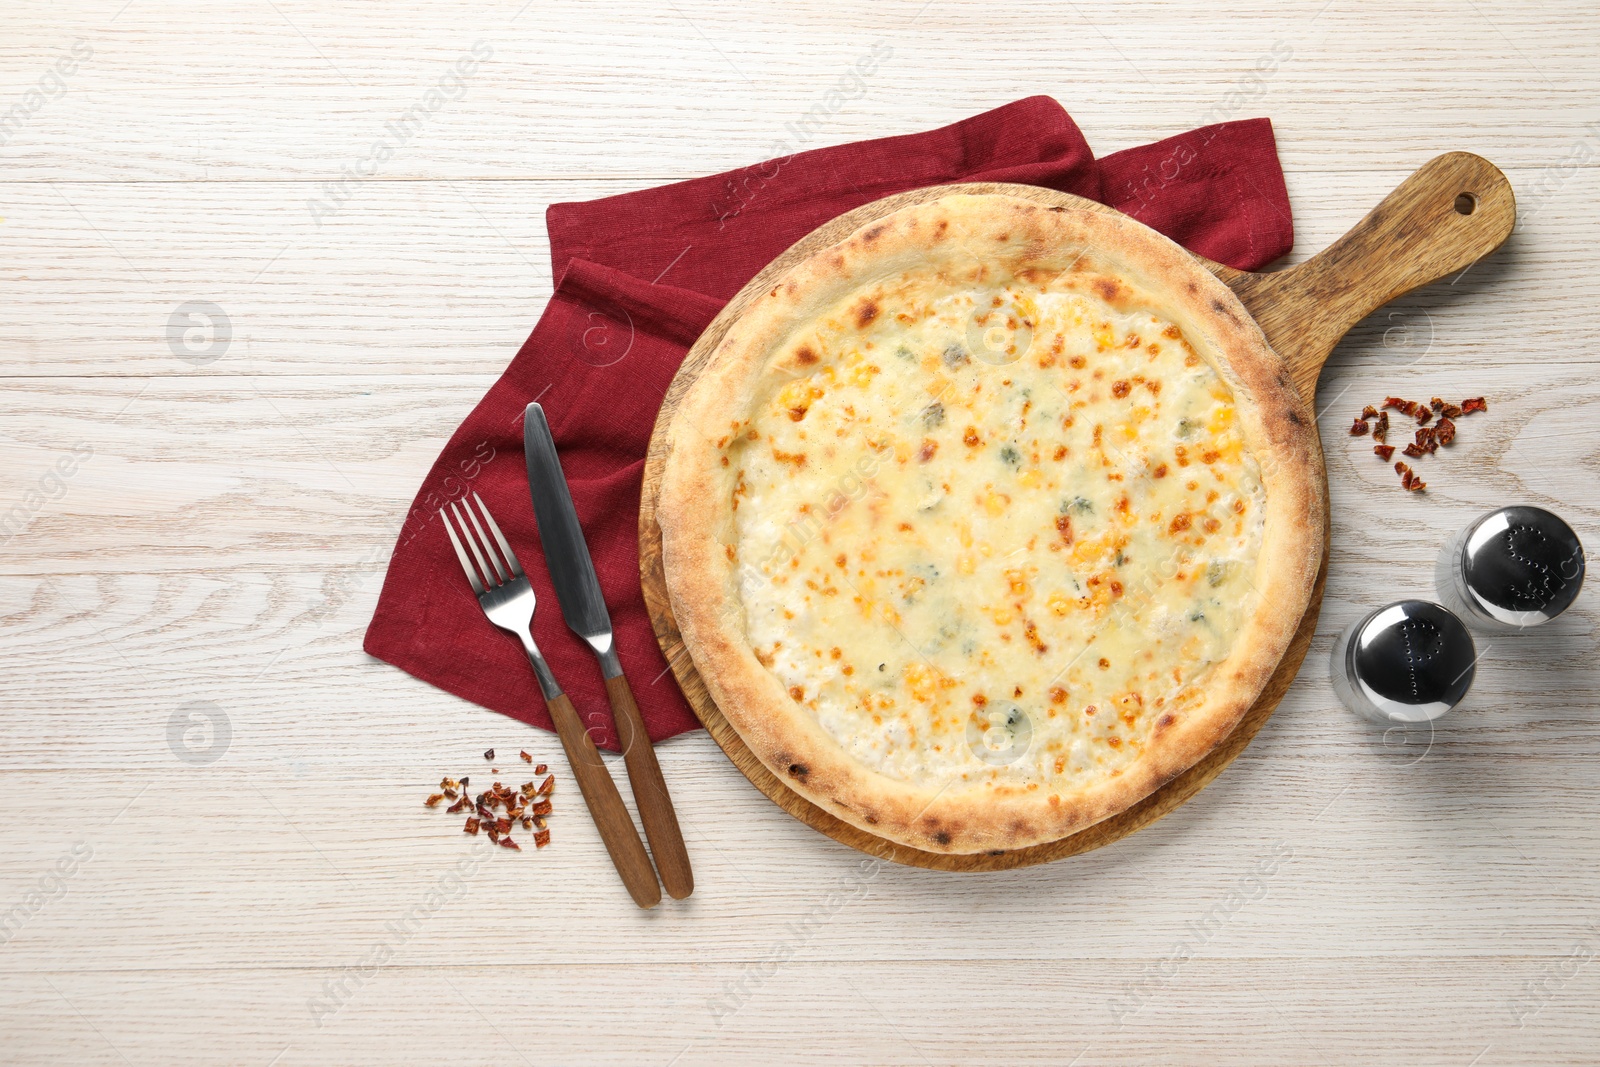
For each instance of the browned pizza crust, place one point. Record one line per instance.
(696, 516)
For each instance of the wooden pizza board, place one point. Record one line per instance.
(1446, 216)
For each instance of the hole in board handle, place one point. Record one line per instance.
(1466, 204)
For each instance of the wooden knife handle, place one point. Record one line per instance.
(611, 816)
(650, 791)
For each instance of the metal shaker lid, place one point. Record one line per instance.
(1413, 660)
(1521, 565)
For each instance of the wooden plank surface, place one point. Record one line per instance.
(1337, 896)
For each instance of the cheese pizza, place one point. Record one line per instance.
(990, 519)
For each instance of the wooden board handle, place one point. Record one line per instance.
(1445, 217)
(611, 816)
(650, 791)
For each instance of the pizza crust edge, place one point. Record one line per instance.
(1278, 431)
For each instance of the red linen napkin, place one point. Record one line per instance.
(640, 275)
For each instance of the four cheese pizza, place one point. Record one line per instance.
(986, 522)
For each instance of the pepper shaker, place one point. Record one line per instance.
(1511, 569)
(1410, 661)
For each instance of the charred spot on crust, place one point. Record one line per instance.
(866, 313)
(1165, 722)
(1192, 287)
(942, 837)
(1058, 208)
(805, 357)
(871, 820)
(1001, 851)
(944, 224)
(1294, 417)
(873, 234)
(1225, 311)
(1107, 288)
(798, 770)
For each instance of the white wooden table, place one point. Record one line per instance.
(188, 724)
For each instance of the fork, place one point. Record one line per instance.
(508, 599)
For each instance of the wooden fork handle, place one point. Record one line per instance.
(650, 791)
(611, 816)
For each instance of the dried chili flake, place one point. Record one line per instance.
(544, 807)
(1406, 474)
(547, 786)
(1369, 412)
(540, 769)
(1436, 404)
(508, 843)
(1445, 431)
(433, 801)
(1405, 407)
(472, 826)
(516, 812)
(1450, 411)
(1360, 428)
(447, 784)
(525, 757)
(457, 806)
(1417, 485)
(1414, 450)
(488, 754)
(450, 794)
(541, 839)
(1471, 404)
(538, 822)
(1383, 451)
(1380, 428)
(464, 781)
(502, 824)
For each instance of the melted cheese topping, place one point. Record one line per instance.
(995, 532)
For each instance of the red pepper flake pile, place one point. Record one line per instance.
(1427, 439)
(495, 810)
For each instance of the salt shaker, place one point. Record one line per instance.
(1511, 569)
(1410, 661)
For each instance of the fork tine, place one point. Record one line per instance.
(500, 573)
(490, 577)
(461, 554)
(505, 547)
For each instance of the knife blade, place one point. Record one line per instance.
(565, 550)
(584, 607)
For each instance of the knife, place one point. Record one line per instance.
(584, 607)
